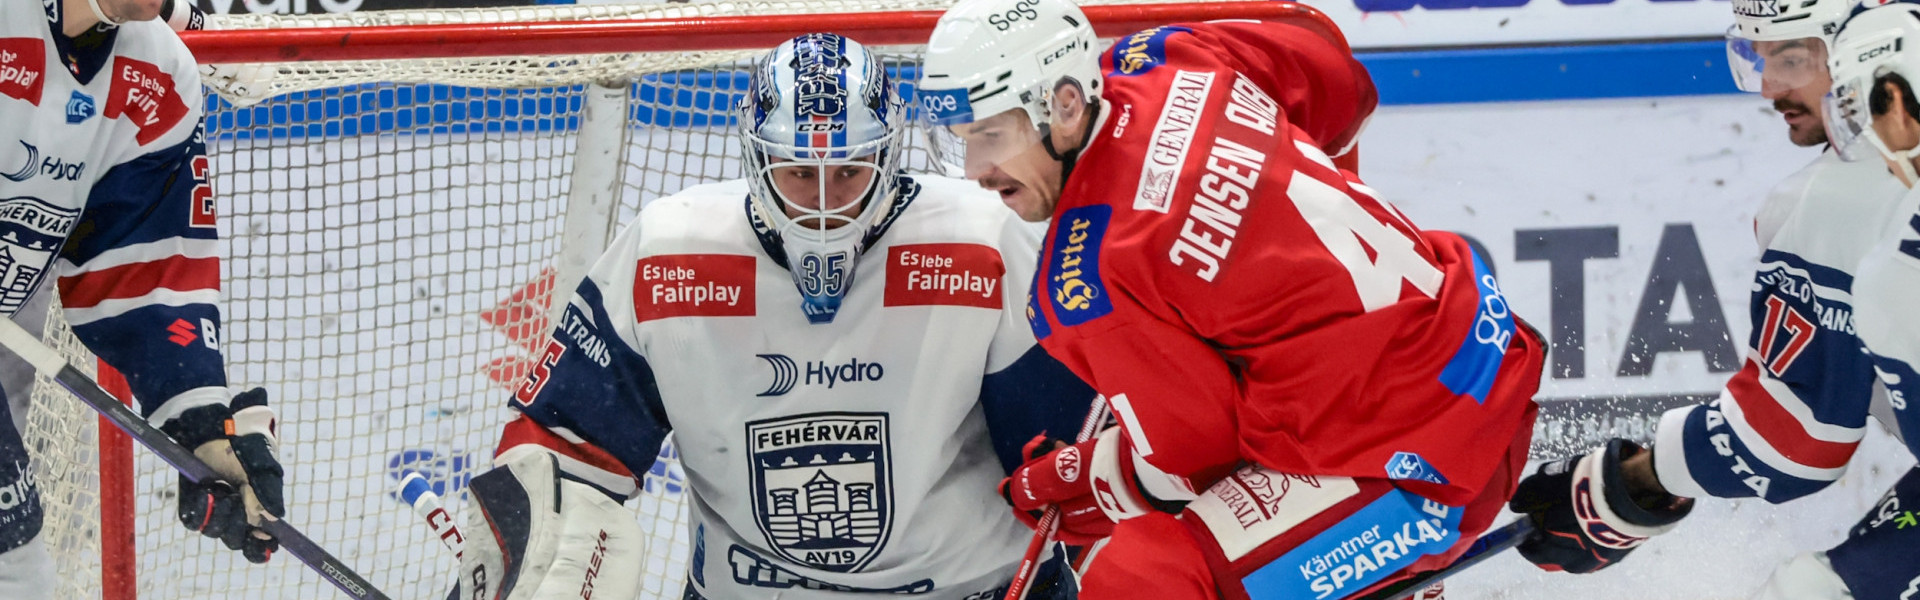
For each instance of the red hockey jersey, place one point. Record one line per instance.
(1236, 297)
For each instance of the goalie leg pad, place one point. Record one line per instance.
(534, 535)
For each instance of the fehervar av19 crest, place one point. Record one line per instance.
(823, 487)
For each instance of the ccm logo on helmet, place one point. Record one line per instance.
(1876, 51)
(1057, 54)
(821, 127)
(1024, 10)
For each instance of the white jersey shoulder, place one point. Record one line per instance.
(1818, 211)
(844, 456)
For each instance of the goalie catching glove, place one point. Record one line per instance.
(238, 441)
(533, 535)
(1092, 482)
(1585, 514)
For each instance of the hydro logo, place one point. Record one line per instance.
(50, 165)
(787, 373)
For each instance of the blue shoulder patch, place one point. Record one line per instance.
(1476, 363)
(1073, 276)
(1142, 51)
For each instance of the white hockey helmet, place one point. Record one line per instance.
(988, 57)
(1878, 43)
(821, 132)
(1781, 21)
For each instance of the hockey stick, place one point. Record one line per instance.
(1050, 520)
(1492, 543)
(415, 491)
(417, 494)
(46, 360)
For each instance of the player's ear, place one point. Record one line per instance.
(1894, 98)
(1898, 121)
(1067, 110)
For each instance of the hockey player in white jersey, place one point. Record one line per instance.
(1874, 117)
(840, 351)
(104, 197)
(1789, 421)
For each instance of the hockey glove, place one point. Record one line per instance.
(534, 535)
(238, 442)
(1585, 516)
(1092, 482)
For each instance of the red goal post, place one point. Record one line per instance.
(400, 193)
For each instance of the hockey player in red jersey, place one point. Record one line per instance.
(1315, 398)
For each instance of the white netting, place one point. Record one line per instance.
(389, 231)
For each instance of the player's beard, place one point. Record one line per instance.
(1803, 133)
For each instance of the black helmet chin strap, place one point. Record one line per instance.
(1069, 158)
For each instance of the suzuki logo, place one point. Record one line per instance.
(182, 332)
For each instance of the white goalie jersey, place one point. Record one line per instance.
(859, 456)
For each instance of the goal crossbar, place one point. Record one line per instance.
(669, 34)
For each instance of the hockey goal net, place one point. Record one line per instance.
(393, 224)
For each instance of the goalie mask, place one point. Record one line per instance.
(821, 131)
(1876, 47)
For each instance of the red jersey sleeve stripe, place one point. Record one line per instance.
(1779, 428)
(177, 273)
(522, 430)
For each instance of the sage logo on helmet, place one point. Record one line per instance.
(982, 62)
(821, 140)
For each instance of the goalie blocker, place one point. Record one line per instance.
(539, 536)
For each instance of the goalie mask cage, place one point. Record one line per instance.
(395, 211)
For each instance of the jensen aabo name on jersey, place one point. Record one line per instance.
(1205, 221)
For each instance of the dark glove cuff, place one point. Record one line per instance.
(1668, 509)
(199, 425)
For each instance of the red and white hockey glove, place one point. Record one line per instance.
(1586, 516)
(1091, 482)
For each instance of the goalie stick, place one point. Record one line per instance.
(45, 360)
(1050, 521)
(415, 491)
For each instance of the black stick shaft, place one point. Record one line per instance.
(291, 539)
